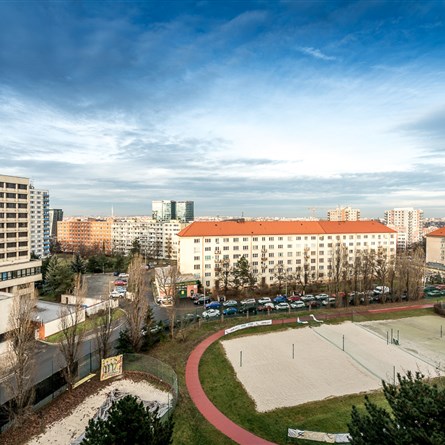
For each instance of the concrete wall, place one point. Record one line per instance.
(435, 249)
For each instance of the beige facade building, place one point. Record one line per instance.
(435, 247)
(290, 245)
(17, 272)
(85, 233)
(344, 214)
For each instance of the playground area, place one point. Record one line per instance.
(297, 366)
(69, 429)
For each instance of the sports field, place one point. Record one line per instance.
(296, 366)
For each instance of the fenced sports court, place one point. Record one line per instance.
(296, 366)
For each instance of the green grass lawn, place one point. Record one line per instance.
(87, 325)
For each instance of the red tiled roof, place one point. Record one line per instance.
(240, 228)
(438, 232)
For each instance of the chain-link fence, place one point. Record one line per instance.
(158, 369)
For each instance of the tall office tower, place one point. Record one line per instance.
(163, 210)
(54, 216)
(39, 221)
(344, 214)
(185, 211)
(408, 222)
(18, 272)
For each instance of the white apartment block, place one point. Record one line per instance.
(158, 239)
(17, 272)
(344, 214)
(204, 246)
(408, 222)
(39, 221)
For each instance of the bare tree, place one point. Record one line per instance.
(356, 276)
(167, 280)
(381, 270)
(103, 330)
(20, 365)
(137, 309)
(279, 277)
(417, 272)
(73, 333)
(368, 265)
(223, 272)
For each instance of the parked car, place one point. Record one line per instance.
(248, 301)
(282, 306)
(202, 300)
(230, 311)
(266, 307)
(120, 283)
(378, 290)
(230, 303)
(121, 290)
(115, 294)
(123, 275)
(294, 298)
(211, 313)
(248, 309)
(264, 300)
(188, 318)
(213, 305)
(307, 298)
(280, 299)
(329, 302)
(321, 297)
(298, 305)
(311, 304)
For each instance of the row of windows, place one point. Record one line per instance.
(12, 185)
(291, 238)
(13, 195)
(30, 271)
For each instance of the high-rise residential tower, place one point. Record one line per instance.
(408, 222)
(39, 221)
(344, 214)
(54, 216)
(18, 272)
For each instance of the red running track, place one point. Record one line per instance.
(209, 410)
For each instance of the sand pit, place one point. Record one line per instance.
(72, 426)
(320, 369)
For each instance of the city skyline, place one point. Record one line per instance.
(254, 108)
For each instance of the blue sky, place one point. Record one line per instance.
(266, 108)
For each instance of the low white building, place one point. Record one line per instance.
(289, 245)
(51, 317)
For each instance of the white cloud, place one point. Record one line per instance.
(314, 52)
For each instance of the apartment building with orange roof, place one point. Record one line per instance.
(268, 245)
